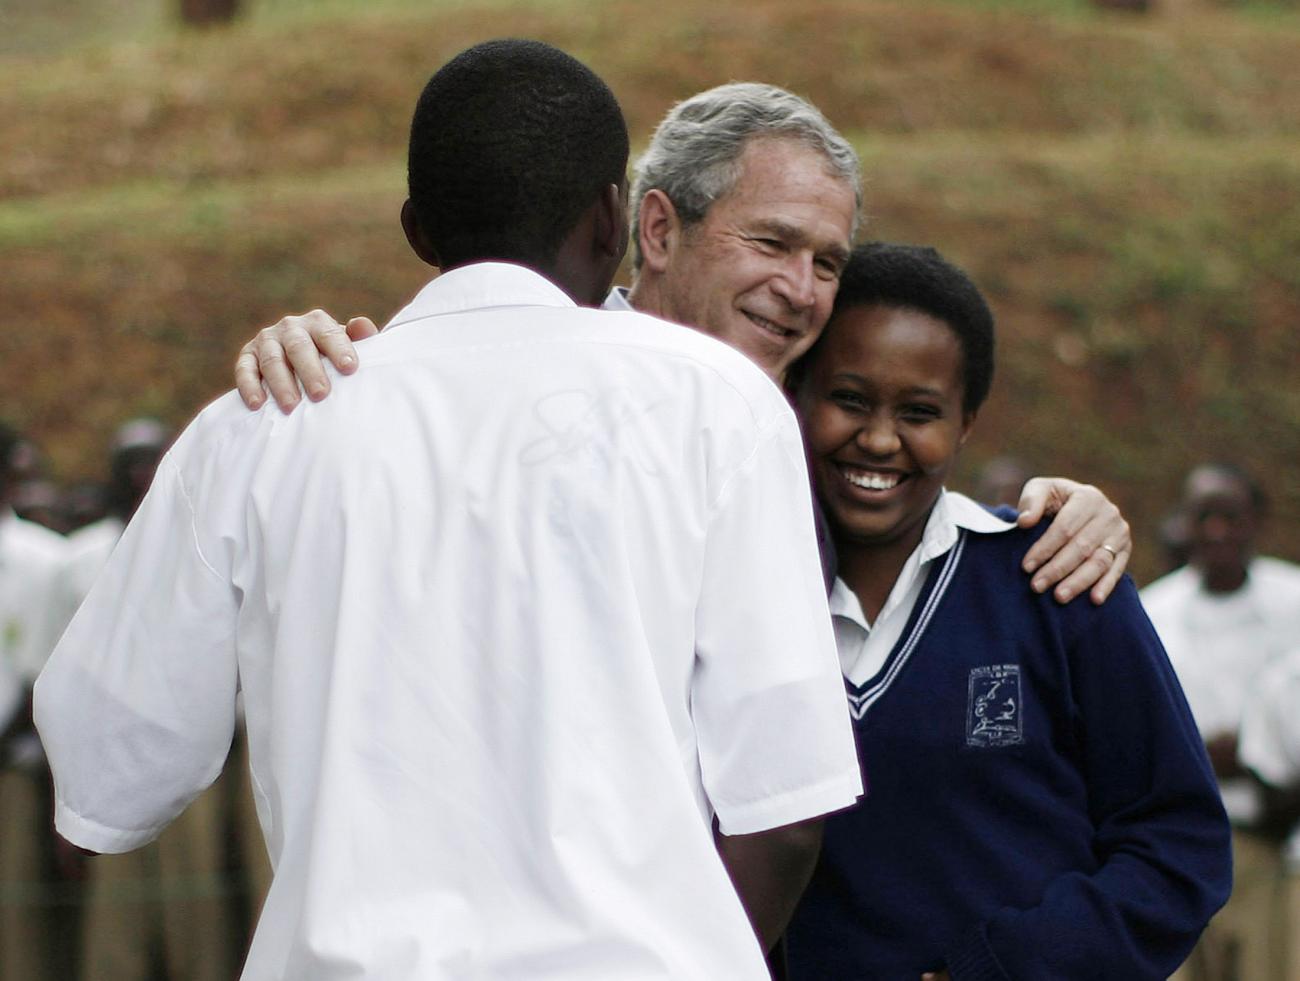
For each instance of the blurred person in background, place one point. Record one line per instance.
(1173, 540)
(133, 454)
(40, 501)
(1000, 481)
(164, 911)
(1224, 618)
(33, 496)
(32, 916)
(744, 206)
(26, 461)
(1269, 747)
(84, 503)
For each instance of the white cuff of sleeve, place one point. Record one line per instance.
(791, 807)
(96, 837)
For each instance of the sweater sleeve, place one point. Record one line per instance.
(1161, 838)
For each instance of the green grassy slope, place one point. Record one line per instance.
(1127, 191)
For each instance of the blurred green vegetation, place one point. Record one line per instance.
(1125, 188)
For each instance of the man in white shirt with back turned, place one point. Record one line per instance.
(517, 616)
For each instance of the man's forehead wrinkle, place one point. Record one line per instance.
(779, 226)
(799, 234)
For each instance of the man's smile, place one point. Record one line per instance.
(770, 326)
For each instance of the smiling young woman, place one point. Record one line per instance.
(1039, 802)
(882, 406)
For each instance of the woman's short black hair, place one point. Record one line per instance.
(917, 277)
(511, 141)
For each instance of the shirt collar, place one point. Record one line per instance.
(479, 286)
(844, 603)
(617, 300)
(951, 514)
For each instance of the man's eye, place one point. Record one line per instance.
(828, 269)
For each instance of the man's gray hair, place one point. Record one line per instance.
(693, 155)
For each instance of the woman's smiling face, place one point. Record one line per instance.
(881, 402)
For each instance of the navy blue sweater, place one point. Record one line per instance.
(1039, 805)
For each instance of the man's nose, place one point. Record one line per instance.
(797, 281)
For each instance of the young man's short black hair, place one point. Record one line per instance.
(917, 277)
(511, 141)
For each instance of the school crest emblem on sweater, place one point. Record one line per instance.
(993, 707)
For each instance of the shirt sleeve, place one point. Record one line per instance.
(772, 726)
(1161, 837)
(136, 707)
(1269, 740)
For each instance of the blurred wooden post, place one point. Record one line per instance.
(1137, 6)
(209, 11)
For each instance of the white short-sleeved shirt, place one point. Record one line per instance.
(514, 612)
(1219, 644)
(1270, 725)
(31, 558)
(1269, 739)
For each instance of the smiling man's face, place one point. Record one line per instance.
(760, 270)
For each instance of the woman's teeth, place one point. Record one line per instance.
(871, 481)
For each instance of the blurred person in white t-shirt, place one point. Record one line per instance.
(1225, 618)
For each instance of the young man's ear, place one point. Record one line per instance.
(415, 236)
(611, 232)
(658, 229)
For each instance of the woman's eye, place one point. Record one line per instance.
(921, 413)
(850, 399)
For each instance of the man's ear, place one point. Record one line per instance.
(658, 230)
(610, 231)
(415, 236)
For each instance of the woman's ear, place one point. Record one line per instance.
(967, 424)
